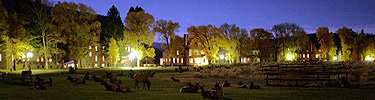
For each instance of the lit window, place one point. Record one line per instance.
(103, 47)
(177, 52)
(12, 58)
(96, 65)
(41, 59)
(50, 59)
(308, 55)
(178, 60)
(300, 55)
(0, 57)
(96, 58)
(174, 60)
(303, 55)
(169, 59)
(103, 58)
(89, 47)
(182, 60)
(96, 48)
(191, 60)
(103, 65)
(37, 58)
(307, 50)
(90, 54)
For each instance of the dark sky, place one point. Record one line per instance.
(249, 14)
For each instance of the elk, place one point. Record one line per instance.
(213, 93)
(175, 80)
(252, 86)
(27, 73)
(97, 79)
(190, 88)
(226, 84)
(122, 88)
(109, 87)
(142, 77)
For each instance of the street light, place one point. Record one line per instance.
(29, 55)
(289, 57)
(335, 58)
(369, 58)
(221, 56)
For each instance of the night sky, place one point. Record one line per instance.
(249, 14)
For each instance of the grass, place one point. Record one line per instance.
(164, 89)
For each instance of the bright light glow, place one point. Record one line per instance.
(221, 56)
(335, 58)
(90, 54)
(29, 54)
(50, 59)
(369, 58)
(289, 57)
(96, 65)
(96, 58)
(133, 55)
(103, 65)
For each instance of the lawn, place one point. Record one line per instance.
(163, 88)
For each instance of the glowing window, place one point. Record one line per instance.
(103, 58)
(50, 59)
(174, 60)
(303, 55)
(308, 55)
(177, 52)
(41, 59)
(96, 58)
(178, 60)
(90, 54)
(96, 48)
(37, 58)
(182, 60)
(191, 60)
(89, 47)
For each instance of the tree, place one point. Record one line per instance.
(137, 33)
(261, 40)
(347, 37)
(325, 39)
(177, 47)
(229, 40)
(166, 30)
(112, 26)
(75, 22)
(113, 51)
(290, 38)
(203, 38)
(13, 34)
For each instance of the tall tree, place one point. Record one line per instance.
(40, 24)
(325, 39)
(229, 40)
(137, 33)
(290, 38)
(113, 53)
(112, 26)
(261, 40)
(166, 30)
(347, 37)
(203, 38)
(177, 47)
(75, 22)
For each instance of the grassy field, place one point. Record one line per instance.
(163, 88)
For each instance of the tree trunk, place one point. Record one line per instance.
(14, 65)
(45, 50)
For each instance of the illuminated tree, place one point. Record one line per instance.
(203, 38)
(325, 39)
(113, 51)
(75, 22)
(347, 37)
(167, 30)
(137, 33)
(229, 40)
(290, 38)
(261, 42)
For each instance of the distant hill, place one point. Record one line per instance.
(157, 45)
